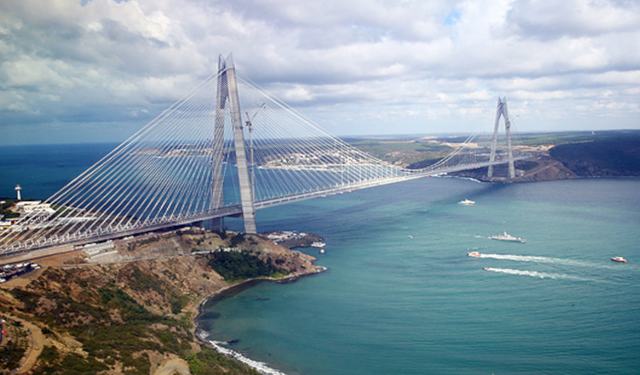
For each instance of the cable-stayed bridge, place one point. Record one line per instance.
(226, 149)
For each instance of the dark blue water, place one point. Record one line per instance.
(395, 304)
(41, 170)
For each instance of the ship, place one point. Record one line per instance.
(467, 202)
(318, 244)
(474, 254)
(508, 237)
(619, 259)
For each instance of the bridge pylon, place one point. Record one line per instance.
(502, 111)
(228, 90)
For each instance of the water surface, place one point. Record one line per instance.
(402, 297)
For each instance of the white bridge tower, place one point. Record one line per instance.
(228, 89)
(501, 111)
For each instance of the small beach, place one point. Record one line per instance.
(230, 291)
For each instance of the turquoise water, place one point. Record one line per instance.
(391, 304)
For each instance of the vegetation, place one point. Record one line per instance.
(562, 138)
(200, 364)
(4, 208)
(113, 326)
(587, 154)
(10, 355)
(241, 265)
(423, 163)
(237, 239)
(127, 318)
(610, 156)
(401, 152)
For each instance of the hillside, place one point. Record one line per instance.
(558, 155)
(617, 157)
(134, 317)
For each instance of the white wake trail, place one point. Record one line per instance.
(536, 259)
(541, 275)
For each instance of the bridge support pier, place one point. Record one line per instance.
(502, 111)
(228, 89)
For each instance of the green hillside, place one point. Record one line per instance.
(613, 156)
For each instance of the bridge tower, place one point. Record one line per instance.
(502, 111)
(228, 89)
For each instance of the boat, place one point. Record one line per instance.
(467, 202)
(322, 251)
(318, 244)
(508, 237)
(619, 259)
(474, 254)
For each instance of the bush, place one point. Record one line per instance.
(29, 299)
(236, 265)
(76, 364)
(209, 362)
(237, 239)
(178, 303)
(49, 354)
(10, 355)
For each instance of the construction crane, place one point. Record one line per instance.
(249, 124)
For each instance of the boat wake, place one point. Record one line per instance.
(258, 366)
(536, 259)
(541, 275)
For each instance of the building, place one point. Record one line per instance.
(35, 206)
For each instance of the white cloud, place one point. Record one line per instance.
(434, 65)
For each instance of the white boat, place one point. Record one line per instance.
(322, 251)
(318, 244)
(474, 254)
(467, 202)
(619, 259)
(508, 237)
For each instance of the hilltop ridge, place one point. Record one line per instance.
(560, 155)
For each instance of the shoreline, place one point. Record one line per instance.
(231, 290)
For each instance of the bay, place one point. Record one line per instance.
(401, 296)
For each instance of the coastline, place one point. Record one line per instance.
(230, 290)
(172, 282)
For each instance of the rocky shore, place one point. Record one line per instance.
(131, 316)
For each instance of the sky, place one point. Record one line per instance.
(98, 70)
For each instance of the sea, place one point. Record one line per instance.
(401, 296)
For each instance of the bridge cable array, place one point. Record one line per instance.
(176, 170)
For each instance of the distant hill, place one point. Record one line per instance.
(616, 155)
(611, 153)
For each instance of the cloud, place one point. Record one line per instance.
(548, 20)
(375, 66)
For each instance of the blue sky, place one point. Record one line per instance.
(99, 70)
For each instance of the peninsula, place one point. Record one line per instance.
(131, 310)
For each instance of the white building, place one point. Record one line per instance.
(35, 206)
